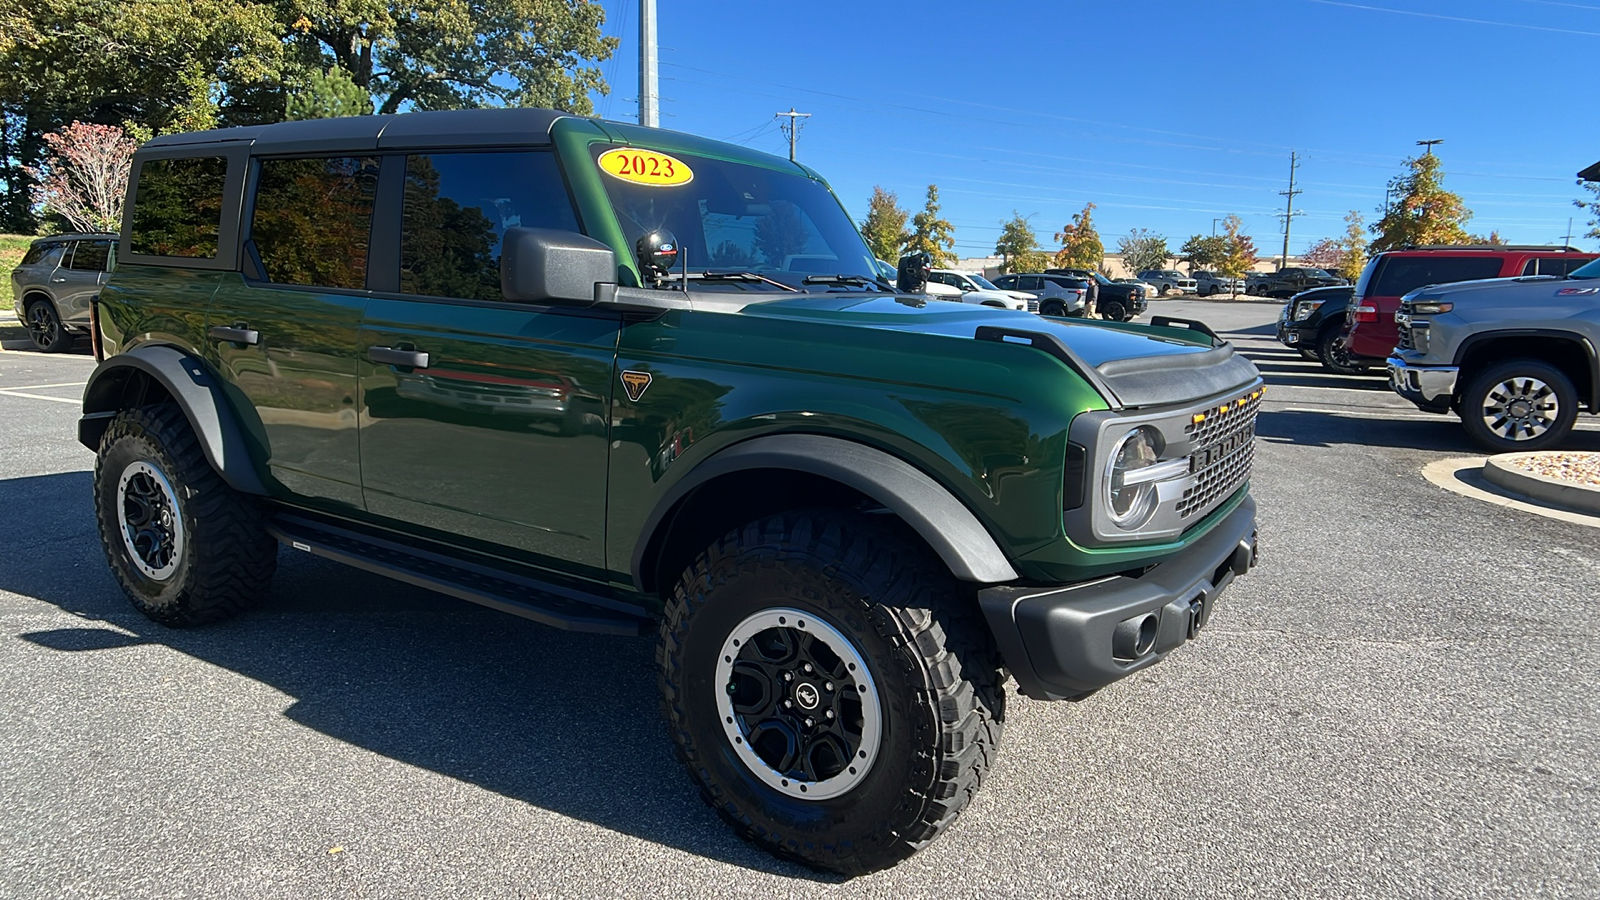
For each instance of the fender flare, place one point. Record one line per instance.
(942, 520)
(1574, 337)
(193, 387)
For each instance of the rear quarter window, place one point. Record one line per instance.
(177, 207)
(1562, 266)
(34, 254)
(1403, 274)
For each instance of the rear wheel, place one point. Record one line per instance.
(186, 548)
(45, 327)
(830, 688)
(1519, 405)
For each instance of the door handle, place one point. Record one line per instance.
(249, 337)
(391, 356)
(58, 281)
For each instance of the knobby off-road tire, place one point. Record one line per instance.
(186, 548)
(1520, 405)
(931, 673)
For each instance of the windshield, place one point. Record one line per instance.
(983, 283)
(734, 217)
(1590, 269)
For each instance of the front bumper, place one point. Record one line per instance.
(1064, 642)
(1429, 387)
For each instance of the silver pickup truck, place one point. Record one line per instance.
(1515, 358)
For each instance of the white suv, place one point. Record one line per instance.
(948, 284)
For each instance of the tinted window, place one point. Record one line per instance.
(34, 254)
(177, 209)
(1030, 283)
(313, 219)
(1006, 281)
(458, 207)
(1552, 266)
(90, 256)
(1403, 274)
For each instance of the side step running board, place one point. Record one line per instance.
(548, 604)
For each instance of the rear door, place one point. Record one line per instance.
(284, 333)
(77, 282)
(483, 420)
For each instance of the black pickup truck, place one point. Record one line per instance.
(1117, 302)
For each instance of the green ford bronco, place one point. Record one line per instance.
(623, 380)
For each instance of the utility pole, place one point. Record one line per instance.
(1429, 145)
(793, 128)
(1568, 241)
(649, 87)
(1214, 227)
(1288, 211)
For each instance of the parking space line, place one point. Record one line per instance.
(1405, 416)
(73, 400)
(40, 387)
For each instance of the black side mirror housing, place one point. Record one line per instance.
(912, 273)
(547, 265)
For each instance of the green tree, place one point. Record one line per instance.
(1018, 246)
(1354, 247)
(931, 234)
(329, 95)
(1203, 251)
(1143, 250)
(1238, 249)
(1080, 243)
(1423, 211)
(1590, 208)
(885, 225)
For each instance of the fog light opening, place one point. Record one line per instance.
(1134, 638)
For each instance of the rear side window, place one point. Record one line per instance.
(312, 221)
(1403, 274)
(34, 254)
(177, 207)
(1562, 266)
(457, 209)
(90, 256)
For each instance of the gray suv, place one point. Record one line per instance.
(57, 280)
(1513, 357)
(1059, 295)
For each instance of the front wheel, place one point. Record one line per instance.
(832, 691)
(1335, 354)
(1519, 405)
(1162, 290)
(1053, 308)
(1114, 310)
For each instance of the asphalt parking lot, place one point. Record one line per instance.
(1399, 702)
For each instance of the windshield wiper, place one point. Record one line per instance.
(729, 276)
(841, 279)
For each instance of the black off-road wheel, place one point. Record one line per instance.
(186, 548)
(1335, 354)
(1114, 311)
(833, 692)
(45, 328)
(1518, 405)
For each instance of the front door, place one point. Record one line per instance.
(284, 335)
(483, 420)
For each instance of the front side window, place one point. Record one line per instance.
(312, 220)
(457, 209)
(177, 207)
(1031, 283)
(90, 256)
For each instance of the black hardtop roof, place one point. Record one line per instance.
(402, 131)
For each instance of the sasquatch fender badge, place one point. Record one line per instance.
(635, 383)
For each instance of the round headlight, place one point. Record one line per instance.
(1131, 505)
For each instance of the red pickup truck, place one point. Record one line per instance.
(1370, 333)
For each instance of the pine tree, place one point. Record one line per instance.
(885, 225)
(931, 234)
(329, 95)
(1424, 212)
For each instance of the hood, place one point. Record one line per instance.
(1131, 366)
(1021, 295)
(1523, 290)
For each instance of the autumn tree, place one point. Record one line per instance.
(931, 234)
(1018, 246)
(1327, 253)
(1143, 250)
(1238, 249)
(1423, 212)
(1353, 248)
(1080, 243)
(885, 225)
(1590, 208)
(85, 175)
(1203, 251)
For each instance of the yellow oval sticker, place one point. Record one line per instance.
(645, 167)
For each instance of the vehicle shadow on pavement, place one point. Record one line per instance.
(567, 722)
(1323, 429)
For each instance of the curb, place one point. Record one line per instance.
(23, 344)
(1502, 471)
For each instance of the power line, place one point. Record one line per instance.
(793, 128)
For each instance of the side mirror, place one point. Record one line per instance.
(547, 265)
(912, 274)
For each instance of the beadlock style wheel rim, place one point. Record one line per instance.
(147, 514)
(1520, 409)
(798, 704)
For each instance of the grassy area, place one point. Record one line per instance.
(12, 246)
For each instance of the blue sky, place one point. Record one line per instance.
(1164, 114)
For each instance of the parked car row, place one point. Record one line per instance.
(1496, 334)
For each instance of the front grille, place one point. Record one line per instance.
(1224, 447)
(1406, 341)
(1033, 304)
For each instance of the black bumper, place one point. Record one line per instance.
(1063, 642)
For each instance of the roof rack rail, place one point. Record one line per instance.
(1551, 247)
